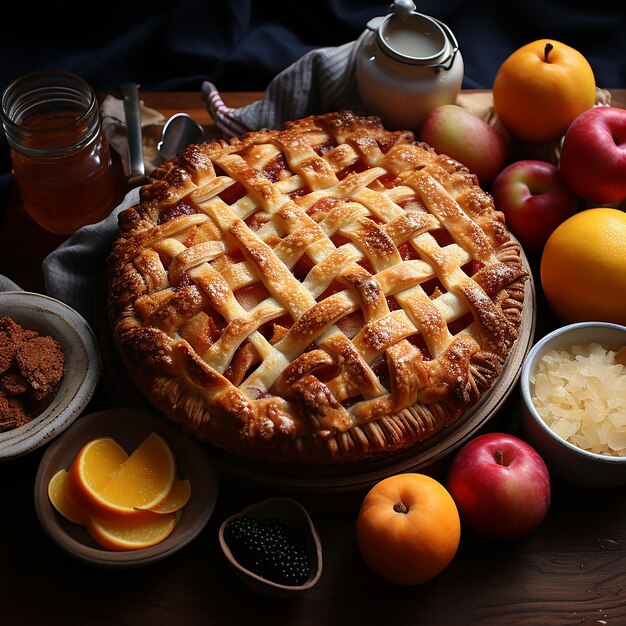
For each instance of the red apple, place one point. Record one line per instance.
(534, 199)
(501, 486)
(462, 135)
(593, 155)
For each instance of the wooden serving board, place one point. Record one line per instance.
(314, 484)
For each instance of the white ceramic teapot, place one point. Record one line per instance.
(407, 64)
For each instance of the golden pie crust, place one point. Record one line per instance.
(324, 293)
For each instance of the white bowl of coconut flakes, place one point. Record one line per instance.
(573, 388)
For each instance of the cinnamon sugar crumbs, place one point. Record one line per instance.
(31, 368)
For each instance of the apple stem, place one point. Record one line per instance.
(499, 457)
(400, 507)
(546, 51)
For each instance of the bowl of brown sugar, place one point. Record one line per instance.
(49, 368)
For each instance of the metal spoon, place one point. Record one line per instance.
(179, 131)
(132, 111)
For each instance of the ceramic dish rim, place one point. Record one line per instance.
(529, 366)
(271, 585)
(48, 425)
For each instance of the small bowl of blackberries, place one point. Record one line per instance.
(273, 547)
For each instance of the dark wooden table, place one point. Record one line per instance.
(571, 570)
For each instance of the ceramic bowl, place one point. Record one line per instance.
(571, 463)
(48, 316)
(129, 428)
(284, 509)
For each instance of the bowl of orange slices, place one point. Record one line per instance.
(124, 487)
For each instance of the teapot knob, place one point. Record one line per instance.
(403, 8)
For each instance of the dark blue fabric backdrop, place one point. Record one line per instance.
(241, 44)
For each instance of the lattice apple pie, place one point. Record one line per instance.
(329, 292)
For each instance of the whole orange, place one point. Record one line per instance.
(540, 88)
(408, 528)
(583, 267)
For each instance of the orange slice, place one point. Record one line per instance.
(126, 535)
(175, 500)
(60, 500)
(93, 466)
(97, 460)
(144, 479)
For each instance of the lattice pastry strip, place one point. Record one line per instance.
(325, 292)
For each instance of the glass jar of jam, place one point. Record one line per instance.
(61, 160)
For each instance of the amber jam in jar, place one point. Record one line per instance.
(60, 157)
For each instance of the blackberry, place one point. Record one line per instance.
(271, 548)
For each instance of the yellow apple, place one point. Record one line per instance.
(541, 88)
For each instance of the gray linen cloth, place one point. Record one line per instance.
(320, 81)
(6, 284)
(74, 269)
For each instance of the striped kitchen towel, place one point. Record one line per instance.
(320, 81)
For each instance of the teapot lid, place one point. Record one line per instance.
(414, 38)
